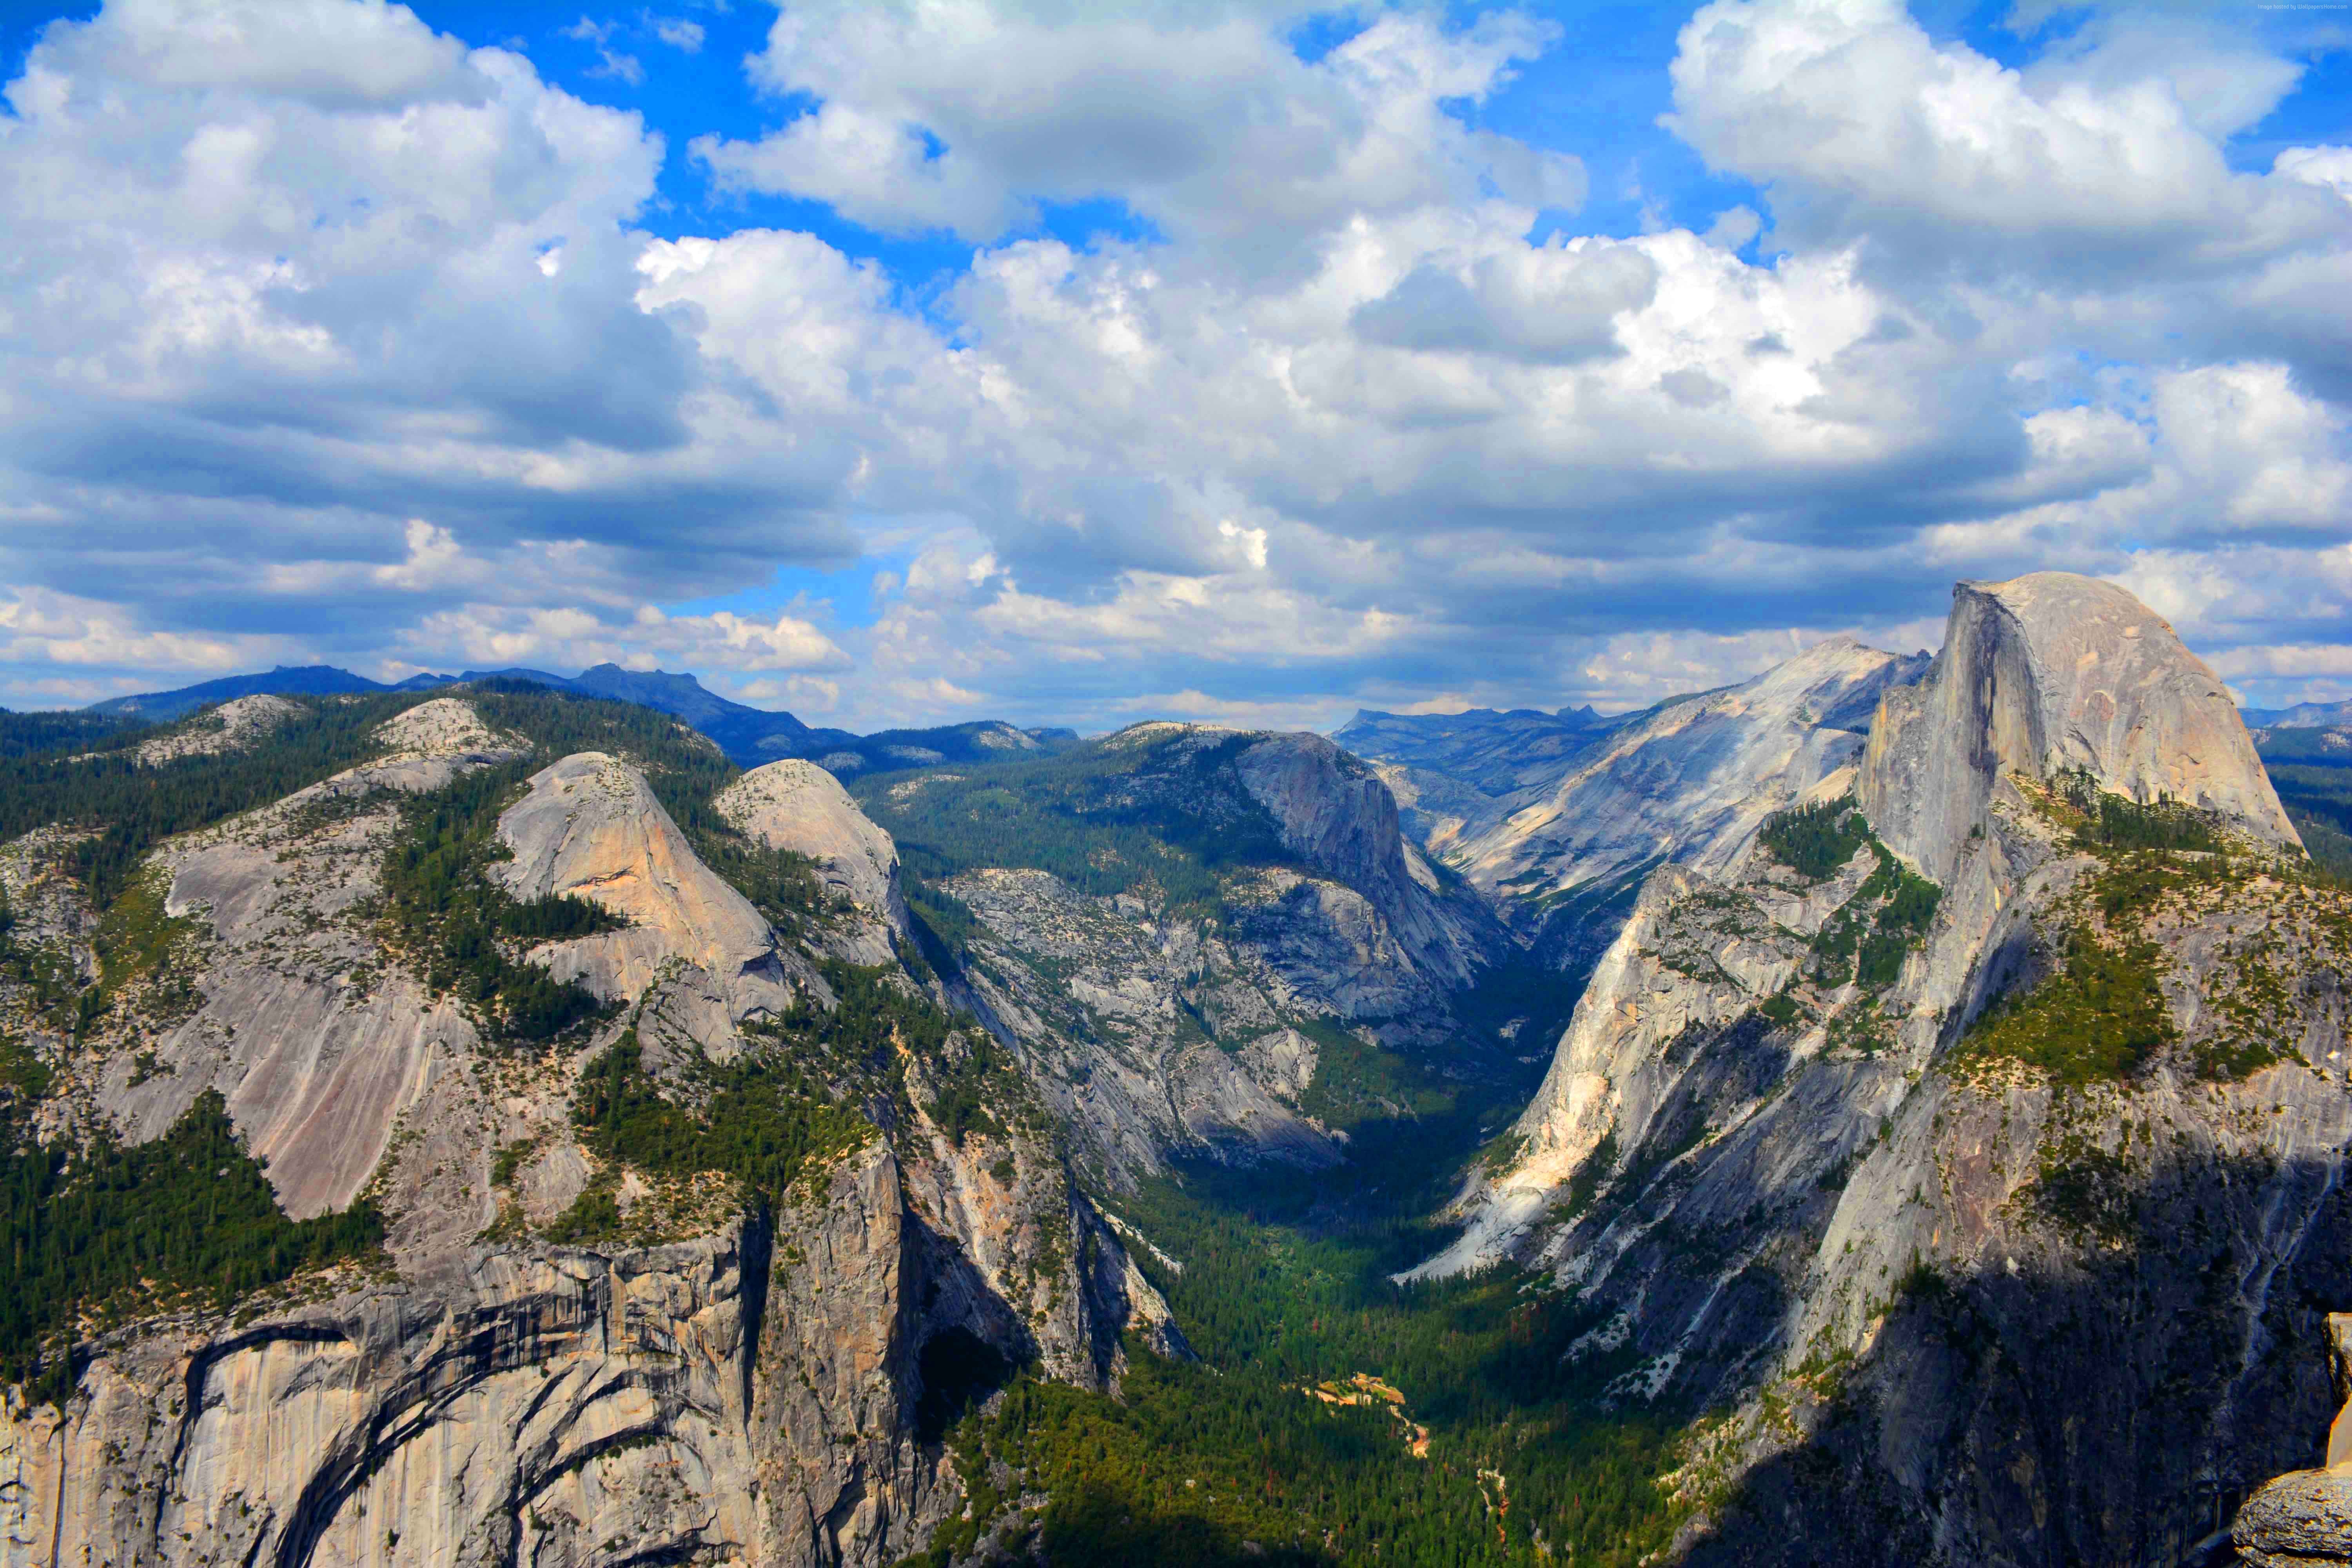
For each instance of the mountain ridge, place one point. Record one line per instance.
(749, 736)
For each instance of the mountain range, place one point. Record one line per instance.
(1891, 1110)
(749, 736)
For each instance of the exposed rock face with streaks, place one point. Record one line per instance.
(1785, 1179)
(717, 1380)
(1152, 1031)
(2048, 673)
(592, 827)
(1563, 848)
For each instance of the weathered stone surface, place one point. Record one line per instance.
(797, 805)
(444, 727)
(1743, 1202)
(726, 1384)
(233, 726)
(1337, 814)
(742, 1397)
(2302, 1520)
(2053, 671)
(1107, 1003)
(1688, 785)
(592, 827)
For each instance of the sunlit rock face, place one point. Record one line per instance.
(2048, 673)
(1804, 1194)
(719, 1380)
(1561, 841)
(797, 805)
(592, 827)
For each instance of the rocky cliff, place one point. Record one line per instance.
(1178, 1001)
(2048, 674)
(2001, 1205)
(1563, 849)
(558, 1355)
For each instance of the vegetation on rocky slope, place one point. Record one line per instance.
(2098, 1011)
(758, 1120)
(105, 1225)
(1160, 817)
(463, 930)
(1491, 1451)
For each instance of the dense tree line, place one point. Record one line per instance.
(1814, 840)
(447, 911)
(759, 1119)
(22, 735)
(82, 1228)
(1159, 818)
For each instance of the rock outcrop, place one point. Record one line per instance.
(1155, 1029)
(2052, 673)
(233, 726)
(1784, 1178)
(711, 1377)
(1686, 784)
(797, 805)
(593, 827)
(2304, 1519)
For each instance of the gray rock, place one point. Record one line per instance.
(1688, 785)
(592, 827)
(2053, 671)
(2302, 1520)
(1906, 1270)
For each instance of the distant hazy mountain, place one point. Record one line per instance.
(304, 680)
(1494, 753)
(2301, 716)
(750, 736)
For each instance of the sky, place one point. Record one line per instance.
(909, 361)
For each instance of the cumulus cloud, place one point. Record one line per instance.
(325, 335)
(1865, 126)
(959, 116)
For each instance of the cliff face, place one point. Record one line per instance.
(1153, 1027)
(2038, 1284)
(2051, 673)
(1686, 784)
(704, 1377)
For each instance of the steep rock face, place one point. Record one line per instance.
(1339, 816)
(744, 1398)
(2051, 672)
(796, 805)
(2304, 1519)
(317, 1041)
(1112, 1010)
(715, 1381)
(1966, 1307)
(591, 826)
(1688, 785)
(1155, 1028)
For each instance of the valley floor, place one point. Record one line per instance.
(1333, 1416)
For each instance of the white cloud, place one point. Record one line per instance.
(950, 114)
(343, 326)
(679, 33)
(1864, 125)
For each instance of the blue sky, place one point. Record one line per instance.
(910, 361)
